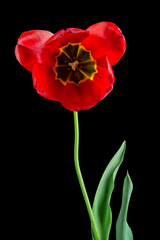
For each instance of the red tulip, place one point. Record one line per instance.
(73, 66)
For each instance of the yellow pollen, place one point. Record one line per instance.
(73, 65)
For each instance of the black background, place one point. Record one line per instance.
(42, 198)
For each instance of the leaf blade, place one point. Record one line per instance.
(123, 231)
(101, 205)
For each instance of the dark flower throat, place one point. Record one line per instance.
(74, 64)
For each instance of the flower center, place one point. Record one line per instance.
(74, 64)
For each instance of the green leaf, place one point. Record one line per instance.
(123, 231)
(101, 205)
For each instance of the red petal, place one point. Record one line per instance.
(29, 47)
(48, 54)
(58, 39)
(105, 39)
(45, 84)
(80, 97)
(72, 35)
(104, 78)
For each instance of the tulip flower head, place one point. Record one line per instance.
(73, 66)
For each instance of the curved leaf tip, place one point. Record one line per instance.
(123, 231)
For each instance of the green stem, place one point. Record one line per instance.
(79, 175)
